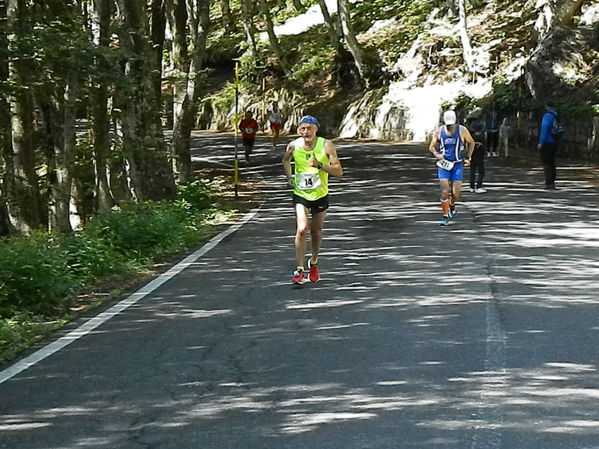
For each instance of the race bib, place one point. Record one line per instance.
(249, 130)
(445, 164)
(308, 181)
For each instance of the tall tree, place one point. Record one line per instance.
(143, 141)
(567, 10)
(334, 32)
(100, 18)
(247, 13)
(272, 37)
(188, 21)
(353, 46)
(297, 4)
(64, 56)
(466, 46)
(227, 17)
(177, 19)
(5, 144)
(21, 180)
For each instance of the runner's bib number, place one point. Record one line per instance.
(308, 181)
(445, 164)
(249, 130)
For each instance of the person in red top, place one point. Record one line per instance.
(248, 127)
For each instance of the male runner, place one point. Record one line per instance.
(275, 117)
(315, 158)
(451, 138)
(248, 127)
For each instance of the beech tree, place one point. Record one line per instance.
(334, 32)
(188, 20)
(272, 37)
(463, 26)
(350, 37)
(247, 15)
(227, 17)
(100, 18)
(21, 182)
(143, 140)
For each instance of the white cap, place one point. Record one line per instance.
(449, 118)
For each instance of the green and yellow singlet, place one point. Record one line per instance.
(310, 182)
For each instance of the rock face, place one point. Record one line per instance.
(563, 63)
(559, 63)
(522, 58)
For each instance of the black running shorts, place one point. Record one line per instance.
(320, 205)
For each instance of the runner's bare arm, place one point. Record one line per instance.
(334, 168)
(433, 145)
(287, 162)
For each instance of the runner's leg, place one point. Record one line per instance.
(316, 234)
(444, 183)
(301, 216)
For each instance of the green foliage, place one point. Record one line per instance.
(143, 231)
(21, 331)
(39, 272)
(364, 14)
(91, 259)
(196, 195)
(34, 275)
(315, 61)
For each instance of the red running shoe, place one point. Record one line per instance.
(314, 276)
(298, 277)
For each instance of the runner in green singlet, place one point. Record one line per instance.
(314, 158)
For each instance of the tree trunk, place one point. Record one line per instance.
(21, 181)
(100, 117)
(5, 143)
(297, 4)
(177, 17)
(62, 129)
(334, 34)
(143, 142)
(350, 37)
(452, 7)
(227, 18)
(200, 24)
(272, 37)
(248, 26)
(567, 11)
(467, 48)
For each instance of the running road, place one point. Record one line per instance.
(482, 335)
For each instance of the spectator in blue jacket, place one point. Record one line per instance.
(548, 145)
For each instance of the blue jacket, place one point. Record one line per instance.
(546, 125)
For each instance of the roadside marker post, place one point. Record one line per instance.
(235, 120)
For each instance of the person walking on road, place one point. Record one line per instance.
(451, 139)
(248, 127)
(504, 136)
(477, 160)
(275, 117)
(314, 159)
(548, 145)
(492, 128)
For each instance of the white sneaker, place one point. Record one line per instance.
(480, 190)
(472, 190)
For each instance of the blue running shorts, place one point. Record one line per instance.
(455, 174)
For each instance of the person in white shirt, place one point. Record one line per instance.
(275, 117)
(504, 135)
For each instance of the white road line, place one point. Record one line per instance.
(93, 323)
(488, 432)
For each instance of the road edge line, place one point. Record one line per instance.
(93, 323)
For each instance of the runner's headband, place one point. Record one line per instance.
(309, 119)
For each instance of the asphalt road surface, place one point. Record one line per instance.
(480, 335)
